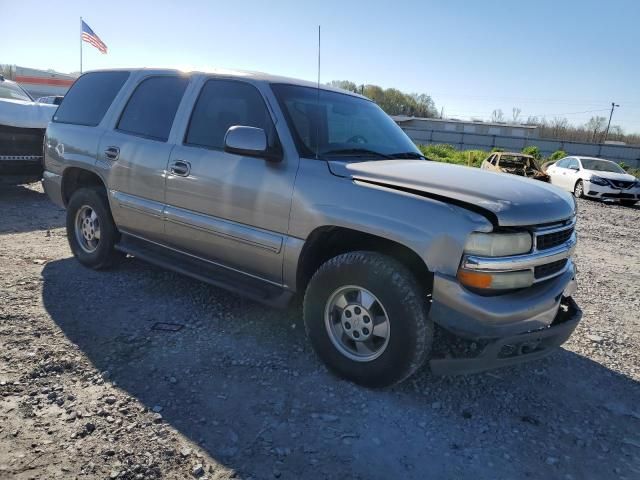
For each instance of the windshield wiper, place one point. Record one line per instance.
(412, 155)
(357, 152)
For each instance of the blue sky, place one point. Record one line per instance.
(548, 58)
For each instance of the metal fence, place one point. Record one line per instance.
(630, 155)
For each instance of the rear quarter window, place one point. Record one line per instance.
(90, 97)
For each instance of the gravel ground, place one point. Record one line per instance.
(142, 373)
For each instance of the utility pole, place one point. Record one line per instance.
(606, 133)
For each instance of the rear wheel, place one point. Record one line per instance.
(628, 203)
(578, 190)
(91, 231)
(366, 317)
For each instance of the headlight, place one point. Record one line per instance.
(599, 181)
(498, 244)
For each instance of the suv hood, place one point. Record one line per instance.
(509, 200)
(16, 113)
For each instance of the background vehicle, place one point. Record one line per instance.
(51, 100)
(516, 164)
(271, 187)
(595, 178)
(22, 127)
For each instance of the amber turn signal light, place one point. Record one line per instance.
(475, 279)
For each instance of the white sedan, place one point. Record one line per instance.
(596, 178)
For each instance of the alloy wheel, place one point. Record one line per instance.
(357, 323)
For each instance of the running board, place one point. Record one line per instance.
(205, 271)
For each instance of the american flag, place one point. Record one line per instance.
(89, 36)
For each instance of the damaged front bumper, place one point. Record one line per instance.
(610, 193)
(514, 349)
(503, 329)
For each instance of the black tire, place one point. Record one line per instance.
(406, 306)
(104, 254)
(628, 203)
(578, 189)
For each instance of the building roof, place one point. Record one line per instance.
(406, 118)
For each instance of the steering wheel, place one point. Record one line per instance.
(357, 139)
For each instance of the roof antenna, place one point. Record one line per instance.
(318, 102)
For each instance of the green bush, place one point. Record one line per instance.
(634, 171)
(497, 149)
(448, 154)
(533, 151)
(557, 155)
(438, 150)
(630, 170)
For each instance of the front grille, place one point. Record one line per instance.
(621, 183)
(20, 142)
(548, 269)
(550, 240)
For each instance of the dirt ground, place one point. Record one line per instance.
(141, 373)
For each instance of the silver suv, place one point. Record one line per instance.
(272, 187)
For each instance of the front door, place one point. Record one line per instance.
(137, 151)
(229, 208)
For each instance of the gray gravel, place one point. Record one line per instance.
(141, 373)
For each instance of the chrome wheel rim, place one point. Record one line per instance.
(87, 229)
(578, 190)
(357, 323)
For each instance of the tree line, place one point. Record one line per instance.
(395, 102)
(392, 100)
(559, 128)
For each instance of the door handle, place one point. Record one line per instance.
(112, 153)
(180, 168)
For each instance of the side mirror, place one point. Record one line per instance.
(249, 141)
(573, 167)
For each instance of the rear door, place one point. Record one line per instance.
(229, 208)
(558, 172)
(573, 174)
(136, 151)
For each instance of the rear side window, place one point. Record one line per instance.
(223, 104)
(89, 98)
(152, 107)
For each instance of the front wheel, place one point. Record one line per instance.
(91, 231)
(578, 190)
(367, 318)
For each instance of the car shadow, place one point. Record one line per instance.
(241, 381)
(25, 208)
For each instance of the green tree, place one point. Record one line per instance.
(533, 151)
(392, 100)
(344, 85)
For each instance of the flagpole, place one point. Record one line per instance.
(80, 45)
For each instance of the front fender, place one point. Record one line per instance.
(435, 230)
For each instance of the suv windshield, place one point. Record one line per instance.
(334, 124)
(601, 166)
(13, 91)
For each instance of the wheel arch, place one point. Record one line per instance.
(74, 178)
(328, 241)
